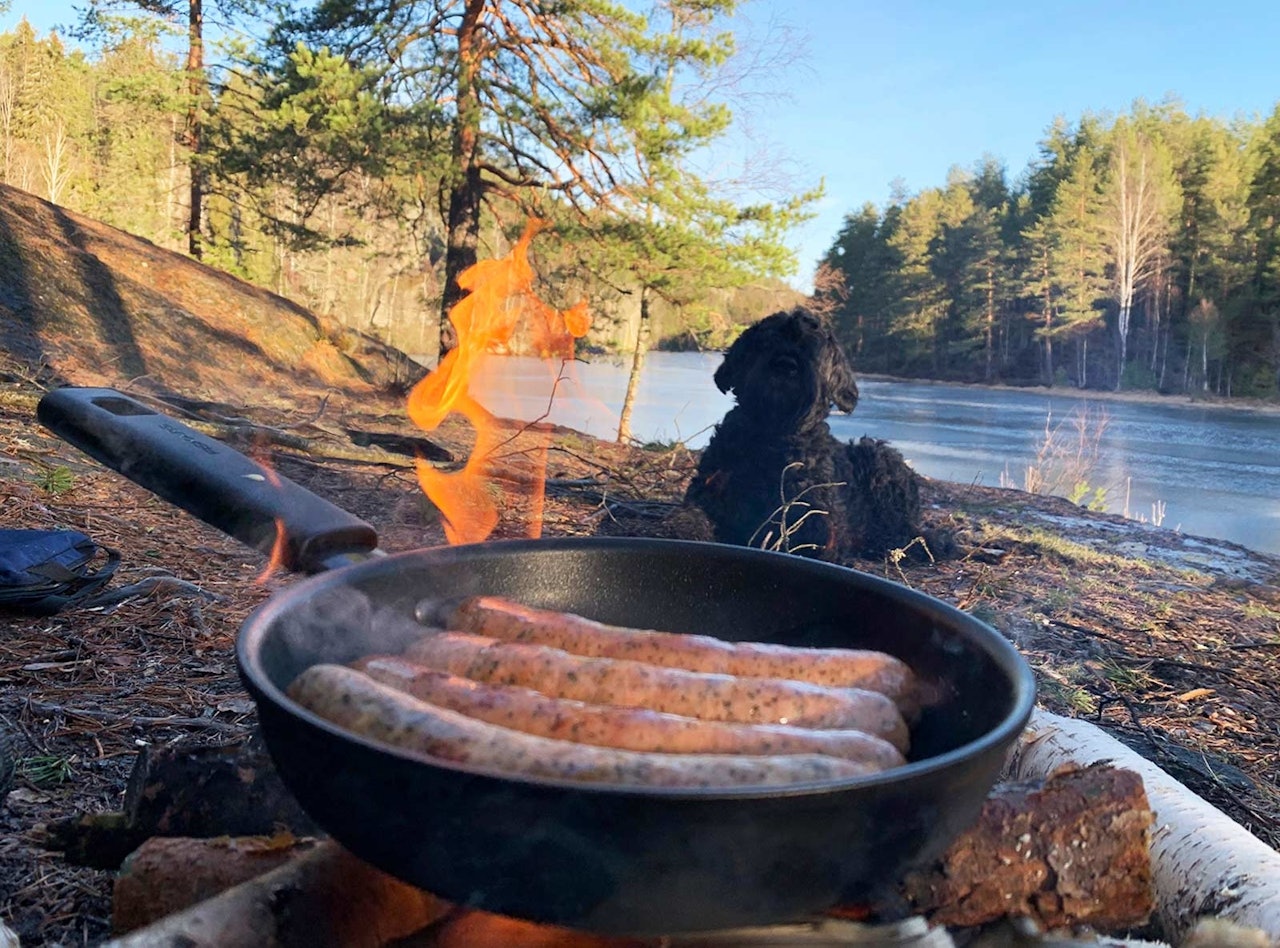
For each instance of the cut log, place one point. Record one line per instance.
(166, 875)
(1203, 862)
(325, 897)
(1066, 851)
(186, 790)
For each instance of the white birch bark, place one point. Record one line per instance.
(1139, 226)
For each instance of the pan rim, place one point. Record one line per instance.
(1000, 650)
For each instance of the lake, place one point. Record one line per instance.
(1211, 472)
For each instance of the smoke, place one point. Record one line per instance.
(337, 625)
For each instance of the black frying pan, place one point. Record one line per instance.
(606, 858)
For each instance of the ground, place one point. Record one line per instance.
(1165, 640)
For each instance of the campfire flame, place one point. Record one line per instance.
(276, 558)
(500, 297)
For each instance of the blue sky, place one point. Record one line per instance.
(906, 89)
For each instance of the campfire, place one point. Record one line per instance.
(284, 886)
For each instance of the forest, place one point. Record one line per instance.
(1136, 252)
(356, 155)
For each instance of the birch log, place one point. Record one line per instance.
(1204, 863)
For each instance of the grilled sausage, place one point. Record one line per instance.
(674, 690)
(637, 729)
(352, 700)
(500, 618)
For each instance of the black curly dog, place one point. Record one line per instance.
(773, 475)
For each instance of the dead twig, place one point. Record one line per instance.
(111, 717)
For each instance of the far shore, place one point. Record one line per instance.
(1264, 406)
(1143, 397)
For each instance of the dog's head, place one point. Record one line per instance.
(787, 370)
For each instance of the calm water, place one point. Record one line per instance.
(1216, 471)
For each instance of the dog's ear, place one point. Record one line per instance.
(837, 373)
(844, 391)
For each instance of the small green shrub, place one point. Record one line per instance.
(57, 480)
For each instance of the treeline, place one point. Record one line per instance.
(1140, 251)
(327, 169)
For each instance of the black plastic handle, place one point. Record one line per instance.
(206, 478)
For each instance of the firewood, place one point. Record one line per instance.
(166, 875)
(325, 897)
(1067, 851)
(1203, 862)
(186, 790)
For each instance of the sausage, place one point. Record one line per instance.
(638, 729)
(354, 701)
(674, 690)
(500, 618)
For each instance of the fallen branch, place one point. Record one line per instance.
(152, 584)
(205, 724)
(1203, 862)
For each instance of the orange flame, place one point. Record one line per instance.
(500, 296)
(276, 558)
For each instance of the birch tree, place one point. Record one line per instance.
(1141, 198)
(55, 167)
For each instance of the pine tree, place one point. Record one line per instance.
(1078, 255)
(863, 255)
(549, 107)
(1256, 341)
(920, 298)
(137, 92)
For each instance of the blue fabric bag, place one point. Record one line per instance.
(44, 571)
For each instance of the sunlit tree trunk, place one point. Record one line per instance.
(55, 167)
(466, 191)
(1138, 221)
(637, 368)
(1048, 323)
(171, 193)
(195, 114)
(8, 108)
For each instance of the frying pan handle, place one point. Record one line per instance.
(205, 477)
